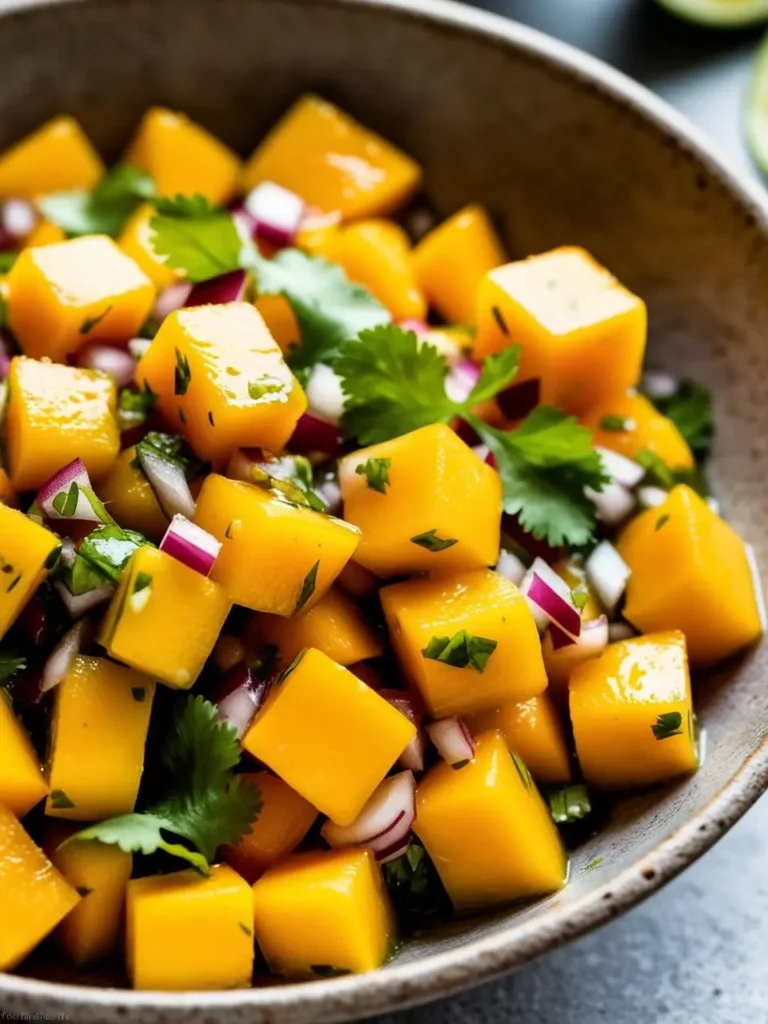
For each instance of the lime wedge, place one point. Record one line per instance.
(757, 109)
(719, 13)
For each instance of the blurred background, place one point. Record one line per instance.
(697, 952)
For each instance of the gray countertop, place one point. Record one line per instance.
(696, 952)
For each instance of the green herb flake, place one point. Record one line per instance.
(580, 599)
(569, 803)
(289, 668)
(228, 531)
(139, 694)
(594, 863)
(614, 423)
(500, 321)
(91, 321)
(134, 407)
(52, 558)
(84, 890)
(661, 521)
(210, 418)
(7, 259)
(105, 209)
(307, 587)
(460, 651)
(376, 473)
(14, 583)
(327, 971)
(142, 581)
(182, 374)
(102, 557)
(268, 387)
(457, 765)
(10, 665)
(522, 769)
(431, 542)
(65, 502)
(245, 929)
(667, 725)
(60, 801)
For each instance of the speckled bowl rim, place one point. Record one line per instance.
(440, 974)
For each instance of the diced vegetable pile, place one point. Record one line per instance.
(346, 563)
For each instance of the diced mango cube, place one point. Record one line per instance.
(136, 241)
(164, 618)
(283, 821)
(631, 712)
(377, 255)
(424, 502)
(130, 498)
(328, 735)
(188, 932)
(72, 293)
(34, 896)
(182, 157)
(280, 319)
(56, 414)
(582, 333)
(21, 778)
(487, 829)
(535, 731)
(100, 873)
(45, 232)
(467, 642)
(630, 424)
(299, 552)
(55, 158)
(99, 728)
(452, 259)
(322, 913)
(335, 626)
(221, 380)
(690, 572)
(333, 162)
(27, 552)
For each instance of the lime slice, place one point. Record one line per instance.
(719, 13)
(757, 109)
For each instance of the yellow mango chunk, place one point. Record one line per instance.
(130, 498)
(377, 255)
(324, 912)
(534, 730)
(424, 502)
(335, 626)
(453, 258)
(332, 162)
(643, 428)
(299, 552)
(45, 232)
(221, 380)
(280, 320)
(188, 932)
(21, 778)
(283, 821)
(164, 618)
(182, 157)
(487, 829)
(318, 233)
(73, 293)
(34, 896)
(100, 873)
(328, 735)
(632, 714)
(110, 705)
(56, 414)
(582, 333)
(27, 553)
(136, 241)
(479, 631)
(690, 572)
(55, 158)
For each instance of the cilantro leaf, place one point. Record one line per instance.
(657, 472)
(569, 803)
(667, 725)
(415, 889)
(172, 448)
(102, 557)
(134, 407)
(431, 542)
(195, 237)
(141, 833)
(105, 209)
(463, 650)
(9, 665)
(498, 371)
(692, 411)
(376, 473)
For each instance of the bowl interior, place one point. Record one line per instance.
(561, 153)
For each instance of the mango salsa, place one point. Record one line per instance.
(22, 784)
(55, 158)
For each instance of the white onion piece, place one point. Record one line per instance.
(60, 483)
(621, 469)
(549, 598)
(79, 604)
(330, 494)
(511, 567)
(461, 380)
(618, 631)
(565, 655)
(168, 482)
(651, 497)
(613, 504)
(481, 451)
(659, 385)
(413, 755)
(170, 300)
(239, 708)
(191, 545)
(17, 219)
(417, 327)
(324, 394)
(60, 658)
(453, 740)
(115, 362)
(276, 212)
(138, 347)
(607, 574)
(384, 822)
(68, 552)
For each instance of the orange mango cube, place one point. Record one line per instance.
(535, 731)
(221, 380)
(467, 642)
(424, 503)
(280, 319)
(55, 158)
(27, 552)
(631, 712)
(328, 735)
(136, 241)
(129, 496)
(487, 829)
(582, 333)
(182, 157)
(333, 162)
(299, 552)
(21, 778)
(186, 932)
(690, 572)
(324, 912)
(641, 427)
(377, 255)
(72, 293)
(56, 414)
(45, 232)
(34, 896)
(283, 821)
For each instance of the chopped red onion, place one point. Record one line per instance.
(324, 394)
(238, 697)
(115, 362)
(169, 483)
(394, 851)
(518, 400)
(18, 217)
(618, 631)
(461, 380)
(384, 823)
(138, 347)
(228, 287)
(453, 740)
(191, 545)
(313, 434)
(659, 385)
(78, 604)
(330, 494)
(592, 641)
(413, 755)
(549, 598)
(417, 327)
(621, 469)
(5, 366)
(60, 484)
(481, 451)
(170, 300)
(607, 574)
(276, 213)
(511, 567)
(651, 497)
(613, 504)
(60, 658)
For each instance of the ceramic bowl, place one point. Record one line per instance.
(563, 150)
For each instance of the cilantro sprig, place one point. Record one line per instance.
(691, 409)
(204, 804)
(104, 209)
